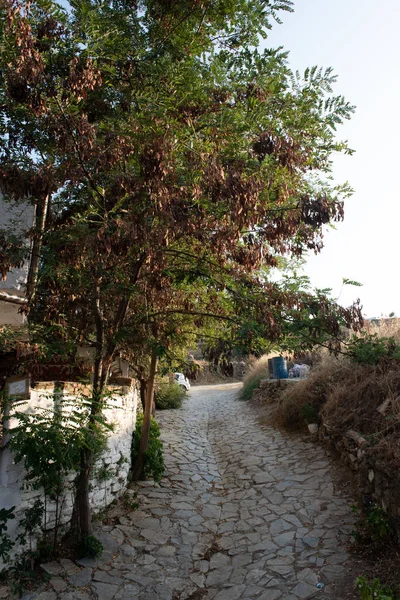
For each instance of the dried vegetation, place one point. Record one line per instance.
(257, 372)
(364, 398)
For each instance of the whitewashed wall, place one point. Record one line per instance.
(19, 218)
(116, 459)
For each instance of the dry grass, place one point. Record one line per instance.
(257, 372)
(312, 391)
(348, 396)
(386, 328)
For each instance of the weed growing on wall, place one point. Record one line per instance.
(6, 544)
(153, 458)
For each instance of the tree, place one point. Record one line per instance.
(164, 144)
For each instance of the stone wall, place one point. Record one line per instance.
(110, 473)
(270, 390)
(376, 481)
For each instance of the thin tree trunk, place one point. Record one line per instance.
(144, 440)
(81, 514)
(40, 222)
(104, 354)
(143, 386)
(83, 517)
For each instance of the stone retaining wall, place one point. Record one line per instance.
(270, 390)
(110, 473)
(376, 481)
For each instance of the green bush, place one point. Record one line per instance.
(153, 458)
(372, 349)
(374, 590)
(374, 526)
(90, 546)
(169, 395)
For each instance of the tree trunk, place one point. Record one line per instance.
(143, 386)
(105, 351)
(144, 440)
(81, 517)
(40, 222)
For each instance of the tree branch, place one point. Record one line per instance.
(4, 297)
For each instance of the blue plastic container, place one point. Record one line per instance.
(279, 367)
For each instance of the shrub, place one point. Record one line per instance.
(169, 395)
(374, 590)
(374, 526)
(257, 372)
(372, 349)
(153, 457)
(90, 546)
(349, 396)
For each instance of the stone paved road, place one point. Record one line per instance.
(244, 512)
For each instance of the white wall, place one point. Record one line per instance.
(18, 217)
(122, 414)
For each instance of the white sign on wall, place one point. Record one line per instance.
(18, 387)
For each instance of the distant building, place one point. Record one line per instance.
(19, 218)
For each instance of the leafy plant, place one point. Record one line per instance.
(153, 457)
(104, 473)
(90, 546)
(378, 523)
(373, 527)
(372, 349)
(373, 590)
(168, 395)
(31, 523)
(48, 442)
(22, 571)
(6, 544)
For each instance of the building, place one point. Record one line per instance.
(17, 218)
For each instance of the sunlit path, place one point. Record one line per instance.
(242, 512)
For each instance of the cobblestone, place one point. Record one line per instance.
(243, 512)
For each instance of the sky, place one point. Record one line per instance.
(360, 40)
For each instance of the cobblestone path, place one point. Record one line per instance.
(244, 512)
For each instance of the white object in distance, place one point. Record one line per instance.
(182, 381)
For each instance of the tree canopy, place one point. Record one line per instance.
(169, 159)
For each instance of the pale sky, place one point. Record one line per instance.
(360, 40)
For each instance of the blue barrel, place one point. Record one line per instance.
(279, 367)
